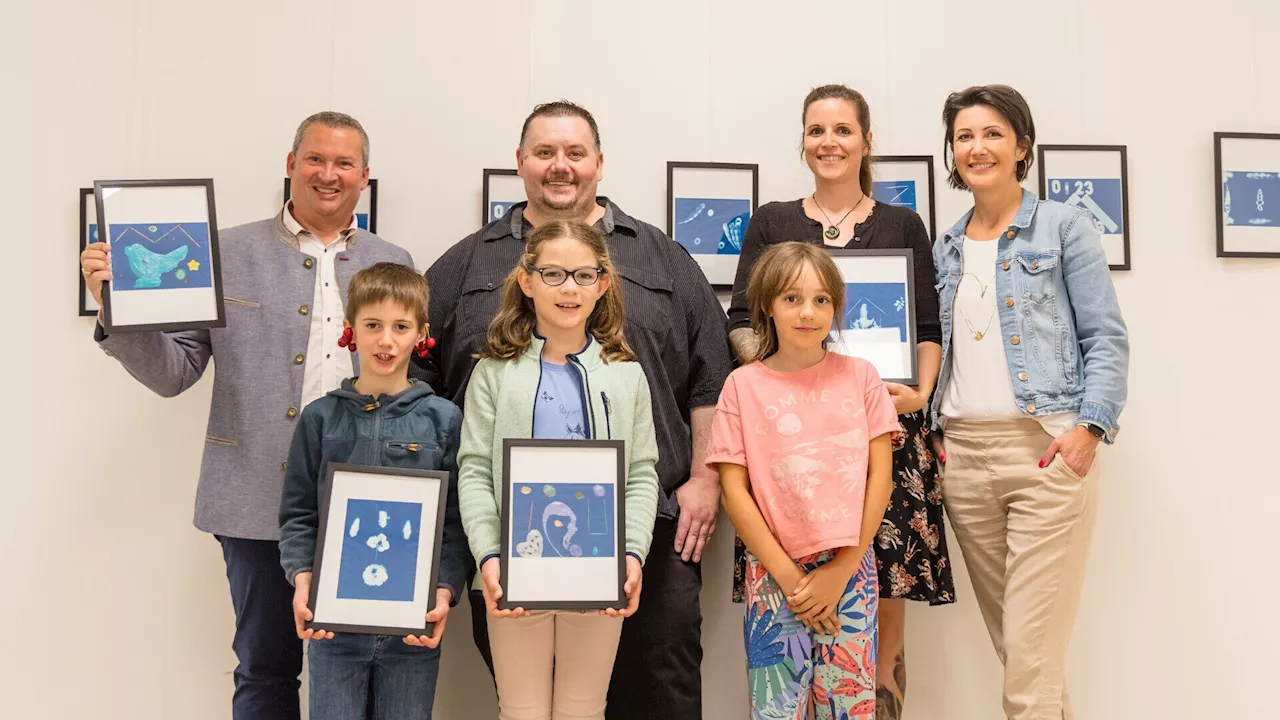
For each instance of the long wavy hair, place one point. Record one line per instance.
(775, 271)
(511, 331)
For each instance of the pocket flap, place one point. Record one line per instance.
(645, 278)
(484, 282)
(1038, 262)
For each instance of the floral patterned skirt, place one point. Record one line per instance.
(911, 546)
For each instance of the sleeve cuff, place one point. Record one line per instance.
(487, 558)
(453, 592)
(636, 555)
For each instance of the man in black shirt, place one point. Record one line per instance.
(678, 329)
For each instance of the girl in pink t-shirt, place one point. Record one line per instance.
(802, 441)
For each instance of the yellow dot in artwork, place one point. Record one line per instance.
(559, 523)
(193, 266)
(579, 495)
(525, 490)
(153, 228)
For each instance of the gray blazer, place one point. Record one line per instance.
(268, 287)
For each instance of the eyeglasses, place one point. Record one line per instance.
(555, 276)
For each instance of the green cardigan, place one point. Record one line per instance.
(499, 404)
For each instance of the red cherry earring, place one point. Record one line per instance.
(424, 348)
(347, 341)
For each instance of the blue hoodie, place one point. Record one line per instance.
(412, 429)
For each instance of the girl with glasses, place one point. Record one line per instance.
(555, 366)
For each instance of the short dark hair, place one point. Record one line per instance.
(336, 120)
(398, 283)
(860, 107)
(561, 108)
(1004, 100)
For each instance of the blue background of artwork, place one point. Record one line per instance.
(1241, 198)
(122, 237)
(595, 530)
(499, 209)
(881, 299)
(1106, 193)
(362, 221)
(400, 559)
(895, 192)
(703, 234)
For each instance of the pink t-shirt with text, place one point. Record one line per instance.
(804, 437)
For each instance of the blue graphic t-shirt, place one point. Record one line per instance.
(557, 411)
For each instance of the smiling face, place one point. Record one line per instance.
(560, 165)
(565, 307)
(385, 334)
(987, 150)
(803, 312)
(326, 175)
(834, 141)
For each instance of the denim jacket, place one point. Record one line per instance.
(1066, 343)
(414, 429)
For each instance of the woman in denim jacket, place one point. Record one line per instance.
(1035, 358)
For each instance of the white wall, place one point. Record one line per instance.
(113, 606)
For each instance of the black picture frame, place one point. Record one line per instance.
(718, 276)
(931, 223)
(319, 566)
(1220, 191)
(83, 298)
(373, 202)
(109, 324)
(504, 555)
(842, 258)
(1122, 154)
(486, 194)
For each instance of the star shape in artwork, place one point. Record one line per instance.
(193, 266)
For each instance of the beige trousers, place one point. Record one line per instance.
(1025, 534)
(553, 665)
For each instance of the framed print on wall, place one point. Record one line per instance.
(501, 189)
(879, 323)
(1246, 168)
(906, 181)
(1096, 178)
(563, 540)
(88, 235)
(164, 255)
(366, 207)
(377, 560)
(709, 206)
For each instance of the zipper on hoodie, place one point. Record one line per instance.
(411, 447)
(588, 410)
(608, 410)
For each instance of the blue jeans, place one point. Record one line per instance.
(345, 670)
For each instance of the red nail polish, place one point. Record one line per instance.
(1041, 463)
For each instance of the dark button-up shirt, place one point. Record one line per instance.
(674, 322)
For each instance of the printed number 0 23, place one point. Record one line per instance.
(1083, 187)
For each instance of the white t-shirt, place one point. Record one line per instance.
(980, 387)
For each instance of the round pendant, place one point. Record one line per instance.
(832, 232)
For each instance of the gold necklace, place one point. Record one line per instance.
(979, 334)
(833, 229)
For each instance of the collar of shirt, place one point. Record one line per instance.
(612, 220)
(295, 228)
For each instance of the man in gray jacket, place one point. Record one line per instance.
(284, 284)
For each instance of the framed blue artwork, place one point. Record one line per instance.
(1095, 178)
(563, 541)
(906, 181)
(163, 236)
(88, 234)
(500, 190)
(366, 211)
(1247, 194)
(878, 322)
(377, 558)
(709, 206)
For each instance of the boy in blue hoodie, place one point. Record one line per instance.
(380, 418)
